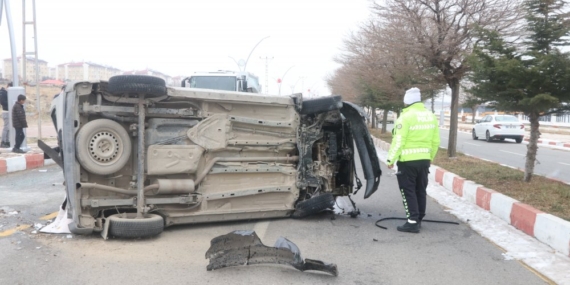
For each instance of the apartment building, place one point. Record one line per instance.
(30, 69)
(85, 71)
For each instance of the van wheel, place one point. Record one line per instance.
(103, 146)
(150, 86)
(126, 225)
(313, 205)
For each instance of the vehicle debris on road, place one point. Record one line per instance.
(245, 248)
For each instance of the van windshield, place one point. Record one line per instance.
(227, 83)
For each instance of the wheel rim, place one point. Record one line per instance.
(104, 147)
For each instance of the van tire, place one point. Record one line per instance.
(313, 205)
(127, 226)
(103, 133)
(150, 86)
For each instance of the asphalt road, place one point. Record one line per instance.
(364, 253)
(552, 163)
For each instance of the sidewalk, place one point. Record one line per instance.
(548, 229)
(12, 162)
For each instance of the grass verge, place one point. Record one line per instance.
(547, 195)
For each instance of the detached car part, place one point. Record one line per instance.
(240, 248)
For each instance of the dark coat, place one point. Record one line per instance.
(4, 99)
(19, 116)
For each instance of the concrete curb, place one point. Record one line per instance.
(23, 162)
(546, 228)
(551, 143)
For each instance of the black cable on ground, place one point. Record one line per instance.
(405, 219)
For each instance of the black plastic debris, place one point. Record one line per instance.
(245, 248)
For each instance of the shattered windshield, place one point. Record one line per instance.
(227, 83)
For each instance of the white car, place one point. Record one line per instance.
(500, 127)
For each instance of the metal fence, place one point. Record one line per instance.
(563, 118)
(560, 118)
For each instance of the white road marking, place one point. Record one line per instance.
(261, 228)
(512, 153)
(472, 144)
(564, 163)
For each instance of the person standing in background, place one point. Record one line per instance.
(5, 117)
(19, 122)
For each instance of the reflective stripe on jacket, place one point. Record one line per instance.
(415, 135)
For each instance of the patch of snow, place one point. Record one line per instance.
(518, 245)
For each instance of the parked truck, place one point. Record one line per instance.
(225, 80)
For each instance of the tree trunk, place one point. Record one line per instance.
(453, 122)
(532, 147)
(473, 112)
(384, 122)
(374, 118)
(432, 102)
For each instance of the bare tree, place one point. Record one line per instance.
(374, 68)
(442, 32)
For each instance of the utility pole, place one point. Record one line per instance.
(35, 54)
(267, 59)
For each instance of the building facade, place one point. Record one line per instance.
(85, 71)
(30, 70)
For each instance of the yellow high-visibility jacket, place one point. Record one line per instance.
(415, 135)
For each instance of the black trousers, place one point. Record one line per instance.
(413, 181)
(19, 137)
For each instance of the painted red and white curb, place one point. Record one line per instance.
(545, 227)
(23, 162)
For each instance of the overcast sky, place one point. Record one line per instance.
(180, 37)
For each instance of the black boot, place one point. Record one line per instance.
(409, 228)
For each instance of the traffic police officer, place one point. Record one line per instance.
(414, 145)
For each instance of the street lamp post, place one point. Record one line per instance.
(241, 63)
(14, 91)
(6, 3)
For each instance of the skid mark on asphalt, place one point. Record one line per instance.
(14, 230)
(49, 217)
